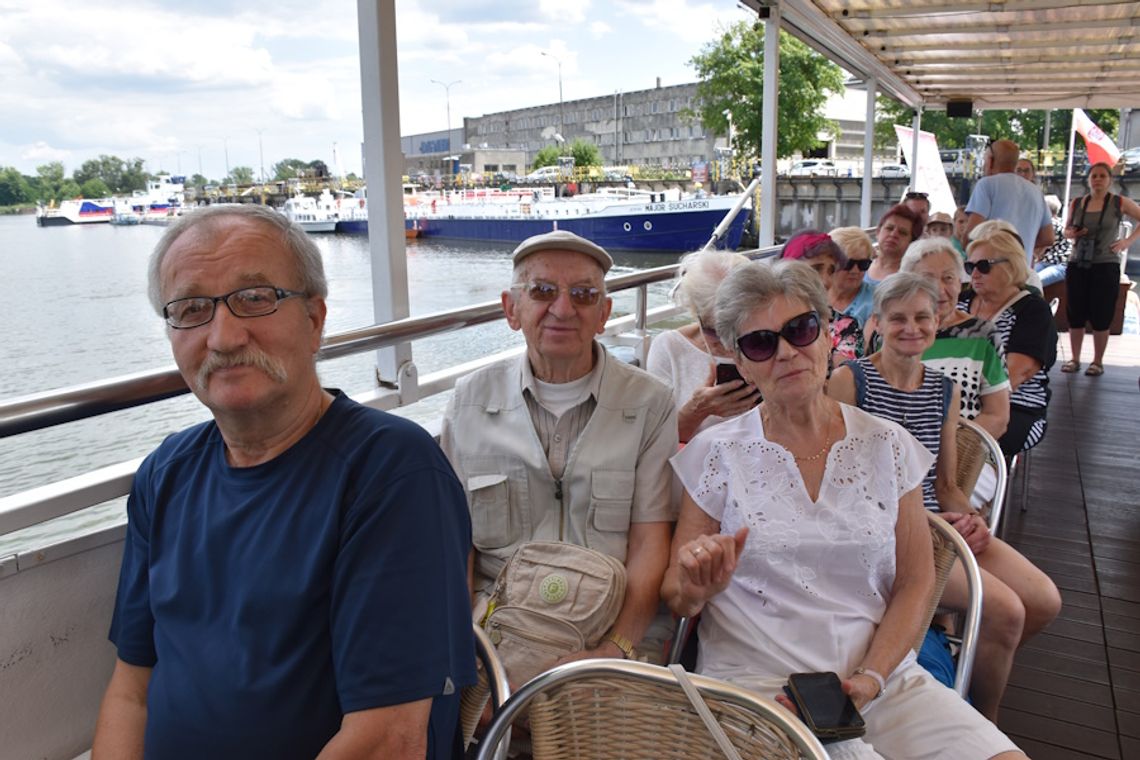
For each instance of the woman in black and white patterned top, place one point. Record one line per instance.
(895, 385)
(1025, 323)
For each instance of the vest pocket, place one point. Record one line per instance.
(491, 519)
(611, 500)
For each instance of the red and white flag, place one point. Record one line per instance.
(1100, 146)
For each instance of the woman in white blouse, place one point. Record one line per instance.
(802, 539)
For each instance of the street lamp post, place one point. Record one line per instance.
(561, 111)
(261, 156)
(447, 96)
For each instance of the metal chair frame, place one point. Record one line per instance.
(967, 477)
(496, 678)
(639, 672)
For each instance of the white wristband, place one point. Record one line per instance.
(874, 676)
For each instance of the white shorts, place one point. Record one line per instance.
(916, 718)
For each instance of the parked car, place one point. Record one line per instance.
(894, 171)
(1131, 160)
(813, 167)
(544, 174)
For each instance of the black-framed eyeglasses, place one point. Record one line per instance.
(547, 292)
(195, 311)
(800, 331)
(985, 266)
(861, 264)
(915, 195)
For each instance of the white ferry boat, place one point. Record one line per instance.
(162, 197)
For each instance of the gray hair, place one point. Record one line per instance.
(698, 277)
(1054, 204)
(753, 286)
(920, 249)
(295, 240)
(900, 286)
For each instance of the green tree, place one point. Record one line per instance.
(94, 188)
(14, 189)
(69, 189)
(198, 181)
(117, 175)
(240, 175)
(318, 168)
(731, 70)
(49, 178)
(585, 153)
(289, 168)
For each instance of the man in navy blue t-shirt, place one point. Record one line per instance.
(294, 575)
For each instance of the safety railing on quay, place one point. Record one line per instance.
(57, 407)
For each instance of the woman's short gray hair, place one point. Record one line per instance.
(698, 277)
(920, 249)
(753, 286)
(295, 240)
(899, 287)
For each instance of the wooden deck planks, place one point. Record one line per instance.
(1075, 689)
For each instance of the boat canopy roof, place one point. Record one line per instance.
(997, 53)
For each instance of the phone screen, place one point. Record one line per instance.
(726, 373)
(821, 696)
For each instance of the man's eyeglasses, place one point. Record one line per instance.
(760, 345)
(184, 313)
(547, 292)
(861, 264)
(985, 266)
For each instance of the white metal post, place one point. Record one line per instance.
(917, 126)
(380, 96)
(767, 209)
(868, 153)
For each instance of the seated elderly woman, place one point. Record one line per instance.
(706, 388)
(849, 293)
(967, 349)
(894, 384)
(1024, 322)
(802, 537)
(825, 258)
(898, 228)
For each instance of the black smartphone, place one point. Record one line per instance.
(726, 373)
(826, 710)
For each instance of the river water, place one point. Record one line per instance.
(78, 312)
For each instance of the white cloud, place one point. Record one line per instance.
(599, 29)
(41, 152)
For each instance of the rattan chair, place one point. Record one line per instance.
(592, 709)
(976, 448)
(950, 547)
(496, 686)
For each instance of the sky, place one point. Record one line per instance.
(192, 87)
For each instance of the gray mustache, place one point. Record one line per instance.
(247, 357)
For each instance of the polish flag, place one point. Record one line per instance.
(1100, 146)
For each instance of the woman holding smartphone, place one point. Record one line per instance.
(802, 539)
(706, 386)
(1092, 279)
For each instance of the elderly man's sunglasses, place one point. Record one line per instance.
(760, 345)
(985, 266)
(547, 292)
(861, 264)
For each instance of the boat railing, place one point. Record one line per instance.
(70, 404)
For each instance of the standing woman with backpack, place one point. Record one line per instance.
(1092, 280)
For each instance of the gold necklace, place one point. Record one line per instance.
(826, 445)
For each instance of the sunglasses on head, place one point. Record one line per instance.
(861, 264)
(708, 332)
(985, 266)
(914, 195)
(760, 345)
(547, 292)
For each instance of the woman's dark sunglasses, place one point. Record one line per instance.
(760, 345)
(862, 264)
(985, 266)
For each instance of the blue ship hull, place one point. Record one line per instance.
(680, 231)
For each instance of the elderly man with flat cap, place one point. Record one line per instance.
(567, 443)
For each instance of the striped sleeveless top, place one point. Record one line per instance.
(921, 412)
